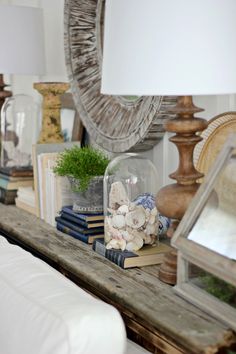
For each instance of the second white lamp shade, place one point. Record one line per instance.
(166, 47)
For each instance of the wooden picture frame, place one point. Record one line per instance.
(216, 195)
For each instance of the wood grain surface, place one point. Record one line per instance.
(149, 307)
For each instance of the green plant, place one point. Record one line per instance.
(82, 164)
(220, 289)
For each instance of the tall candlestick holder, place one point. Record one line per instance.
(51, 111)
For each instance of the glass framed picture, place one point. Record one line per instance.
(206, 241)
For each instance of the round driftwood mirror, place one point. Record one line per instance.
(115, 123)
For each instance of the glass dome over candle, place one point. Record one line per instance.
(131, 218)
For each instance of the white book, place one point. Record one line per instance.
(47, 192)
(52, 205)
(40, 186)
(26, 195)
(37, 150)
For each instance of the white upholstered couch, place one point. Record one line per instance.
(42, 312)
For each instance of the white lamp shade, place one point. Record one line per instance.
(21, 40)
(166, 47)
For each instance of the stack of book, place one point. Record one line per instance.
(26, 199)
(84, 227)
(10, 181)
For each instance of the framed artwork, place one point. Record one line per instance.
(206, 241)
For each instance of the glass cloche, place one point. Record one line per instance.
(131, 218)
(19, 129)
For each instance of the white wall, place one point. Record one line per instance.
(164, 155)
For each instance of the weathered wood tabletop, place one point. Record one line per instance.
(149, 307)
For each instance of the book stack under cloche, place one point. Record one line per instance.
(10, 181)
(84, 227)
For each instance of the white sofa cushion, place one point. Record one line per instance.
(42, 312)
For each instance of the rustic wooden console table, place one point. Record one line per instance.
(154, 315)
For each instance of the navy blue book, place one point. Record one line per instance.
(92, 217)
(79, 228)
(147, 255)
(81, 222)
(84, 238)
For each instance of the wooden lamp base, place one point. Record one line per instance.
(173, 200)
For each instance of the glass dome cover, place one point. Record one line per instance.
(19, 128)
(131, 218)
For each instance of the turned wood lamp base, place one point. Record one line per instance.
(173, 200)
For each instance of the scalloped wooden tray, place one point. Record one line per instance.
(214, 138)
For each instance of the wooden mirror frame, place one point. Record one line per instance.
(113, 122)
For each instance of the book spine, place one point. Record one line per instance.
(7, 201)
(14, 185)
(4, 183)
(73, 219)
(86, 218)
(78, 228)
(7, 197)
(112, 255)
(72, 233)
(116, 257)
(99, 247)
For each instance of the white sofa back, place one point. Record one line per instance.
(42, 312)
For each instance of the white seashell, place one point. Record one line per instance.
(110, 231)
(153, 239)
(147, 212)
(138, 233)
(126, 235)
(123, 209)
(152, 219)
(118, 221)
(111, 211)
(154, 211)
(151, 229)
(107, 221)
(113, 234)
(136, 218)
(107, 226)
(147, 240)
(135, 244)
(117, 195)
(116, 244)
(129, 229)
(132, 206)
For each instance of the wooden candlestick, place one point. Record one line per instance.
(173, 200)
(51, 121)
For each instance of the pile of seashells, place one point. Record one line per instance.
(129, 225)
